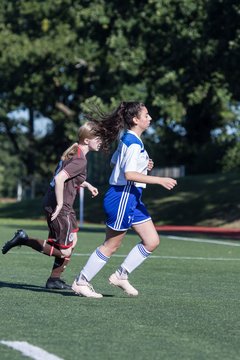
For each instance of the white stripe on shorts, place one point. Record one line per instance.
(122, 205)
(68, 230)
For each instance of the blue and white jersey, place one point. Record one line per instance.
(129, 156)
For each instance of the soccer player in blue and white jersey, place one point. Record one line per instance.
(122, 203)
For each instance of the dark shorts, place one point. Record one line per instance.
(61, 229)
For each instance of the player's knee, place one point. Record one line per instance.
(153, 244)
(108, 248)
(74, 243)
(66, 252)
(113, 249)
(157, 242)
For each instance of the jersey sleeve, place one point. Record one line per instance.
(130, 158)
(75, 167)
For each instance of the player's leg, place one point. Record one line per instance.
(62, 257)
(102, 254)
(136, 257)
(64, 231)
(116, 228)
(54, 281)
(96, 262)
(143, 226)
(145, 229)
(150, 241)
(22, 239)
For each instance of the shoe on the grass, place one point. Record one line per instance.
(18, 240)
(122, 282)
(57, 283)
(84, 288)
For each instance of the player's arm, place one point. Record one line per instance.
(93, 190)
(167, 183)
(60, 179)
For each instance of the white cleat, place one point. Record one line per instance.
(84, 288)
(123, 283)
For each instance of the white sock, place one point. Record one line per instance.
(135, 258)
(94, 264)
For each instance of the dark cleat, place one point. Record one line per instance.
(57, 283)
(18, 240)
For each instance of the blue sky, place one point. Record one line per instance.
(42, 124)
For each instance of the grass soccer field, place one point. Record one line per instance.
(188, 306)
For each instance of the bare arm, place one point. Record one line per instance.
(60, 179)
(93, 190)
(167, 183)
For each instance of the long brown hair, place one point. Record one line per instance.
(86, 131)
(109, 125)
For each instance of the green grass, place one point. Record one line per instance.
(188, 306)
(208, 200)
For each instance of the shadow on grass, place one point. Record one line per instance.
(35, 288)
(40, 289)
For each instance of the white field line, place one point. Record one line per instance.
(179, 238)
(175, 257)
(208, 241)
(29, 350)
(151, 256)
(194, 258)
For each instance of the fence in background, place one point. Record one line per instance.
(172, 171)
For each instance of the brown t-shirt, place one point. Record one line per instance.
(76, 169)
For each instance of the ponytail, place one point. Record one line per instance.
(109, 126)
(70, 152)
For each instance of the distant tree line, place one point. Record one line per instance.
(180, 57)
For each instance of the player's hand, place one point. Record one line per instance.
(93, 190)
(167, 183)
(56, 212)
(150, 164)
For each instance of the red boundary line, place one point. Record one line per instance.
(200, 230)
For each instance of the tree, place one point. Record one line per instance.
(189, 85)
(179, 57)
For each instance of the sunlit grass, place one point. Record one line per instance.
(187, 308)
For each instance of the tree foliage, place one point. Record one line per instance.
(179, 57)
